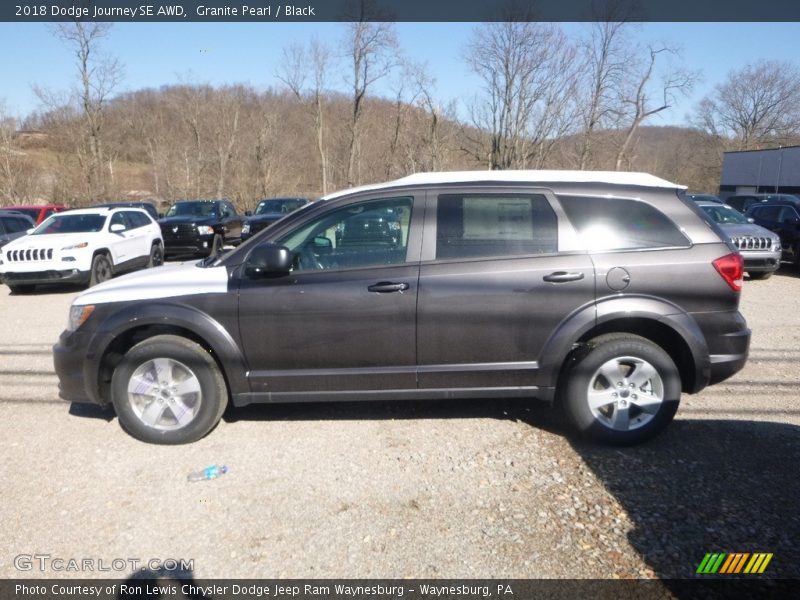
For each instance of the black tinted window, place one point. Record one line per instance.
(617, 224)
(16, 225)
(136, 219)
(767, 213)
(484, 225)
(361, 235)
(117, 219)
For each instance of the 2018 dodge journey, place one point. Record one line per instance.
(607, 294)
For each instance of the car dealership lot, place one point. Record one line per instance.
(449, 489)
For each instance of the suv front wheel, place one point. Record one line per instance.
(621, 389)
(168, 390)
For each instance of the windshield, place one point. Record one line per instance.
(66, 223)
(193, 209)
(278, 206)
(725, 215)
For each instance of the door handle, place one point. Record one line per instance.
(385, 287)
(562, 277)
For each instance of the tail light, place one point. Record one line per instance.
(731, 269)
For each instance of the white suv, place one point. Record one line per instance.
(82, 246)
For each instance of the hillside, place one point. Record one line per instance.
(199, 141)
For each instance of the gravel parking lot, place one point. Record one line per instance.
(434, 490)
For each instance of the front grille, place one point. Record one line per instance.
(184, 232)
(748, 242)
(29, 255)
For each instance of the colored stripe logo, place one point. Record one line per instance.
(734, 563)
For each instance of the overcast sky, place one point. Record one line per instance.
(166, 53)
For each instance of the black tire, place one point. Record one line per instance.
(625, 355)
(102, 269)
(185, 359)
(156, 256)
(20, 289)
(216, 245)
(760, 274)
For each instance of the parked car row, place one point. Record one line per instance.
(119, 236)
(84, 246)
(764, 227)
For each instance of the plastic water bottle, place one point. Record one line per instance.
(211, 472)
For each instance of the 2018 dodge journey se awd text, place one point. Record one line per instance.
(608, 294)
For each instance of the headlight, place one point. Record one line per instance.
(76, 246)
(246, 228)
(205, 230)
(78, 315)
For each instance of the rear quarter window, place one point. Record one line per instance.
(621, 224)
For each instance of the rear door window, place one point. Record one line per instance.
(621, 224)
(494, 225)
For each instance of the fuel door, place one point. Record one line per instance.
(618, 279)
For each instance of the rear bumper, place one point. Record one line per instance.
(728, 339)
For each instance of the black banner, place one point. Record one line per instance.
(268, 11)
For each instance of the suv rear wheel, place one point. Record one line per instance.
(168, 390)
(621, 389)
(156, 256)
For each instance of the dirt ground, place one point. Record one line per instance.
(433, 490)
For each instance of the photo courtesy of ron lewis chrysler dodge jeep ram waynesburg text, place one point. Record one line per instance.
(607, 294)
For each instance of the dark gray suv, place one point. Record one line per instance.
(607, 294)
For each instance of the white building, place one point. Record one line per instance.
(776, 170)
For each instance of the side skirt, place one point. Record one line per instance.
(539, 393)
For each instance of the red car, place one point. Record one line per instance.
(37, 212)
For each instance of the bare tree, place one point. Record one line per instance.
(757, 104)
(294, 74)
(607, 55)
(17, 178)
(528, 78)
(98, 76)
(639, 99)
(371, 51)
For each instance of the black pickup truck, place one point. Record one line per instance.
(200, 227)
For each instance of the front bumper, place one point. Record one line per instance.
(200, 246)
(69, 356)
(48, 276)
(761, 262)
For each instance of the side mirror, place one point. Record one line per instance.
(751, 220)
(248, 213)
(268, 260)
(117, 228)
